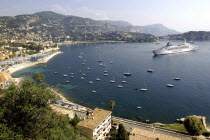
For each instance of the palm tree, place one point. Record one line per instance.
(111, 104)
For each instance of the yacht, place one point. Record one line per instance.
(150, 70)
(169, 85)
(91, 82)
(112, 81)
(106, 74)
(55, 72)
(88, 68)
(177, 78)
(145, 87)
(123, 81)
(93, 91)
(119, 86)
(127, 74)
(98, 79)
(65, 75)
(82, 78)
(67, 81)
(171, 49)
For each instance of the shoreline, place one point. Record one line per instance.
(19, 67)
(84, 42)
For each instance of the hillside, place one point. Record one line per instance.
(192, 35)
(50, 26)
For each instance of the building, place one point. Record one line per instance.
(97, 124)
(140, 134)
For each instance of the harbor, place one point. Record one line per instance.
(96, 90)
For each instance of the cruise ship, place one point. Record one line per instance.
(170, 49)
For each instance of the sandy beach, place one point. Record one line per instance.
(18, 67)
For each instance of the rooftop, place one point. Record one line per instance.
(99, 115)
(139, 134)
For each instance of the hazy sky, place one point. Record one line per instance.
(181, 15)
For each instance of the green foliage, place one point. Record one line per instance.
(75, 120)
(175, 126)
(113, 133)
(25, 114)
(194, 125)
(111, 104)
(122, 134)
(38, 77)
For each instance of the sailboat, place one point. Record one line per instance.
(127, 73)
(145, 87)
(150, 70)
(112, 81)
(100, 59)
(106, 71)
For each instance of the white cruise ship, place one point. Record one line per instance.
(170, 49)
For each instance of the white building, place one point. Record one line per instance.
(97, 124)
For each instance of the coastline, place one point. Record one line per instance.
(81, 42)
(19, 67)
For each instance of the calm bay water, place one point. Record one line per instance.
(189, 96)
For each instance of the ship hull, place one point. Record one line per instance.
(164, 52)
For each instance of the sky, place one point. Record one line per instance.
(180, 15)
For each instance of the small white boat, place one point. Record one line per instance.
(127, 74)
(83, 74)
(97, 79)
(104, 65)
(119, 86)
(88, 68)
(123, 81)
(101, 64)
(65, 75)
(105, 71)
(169, 85)
(67, 81)
(91, 82)
(150, 70)
(106, 74)
(45, 66)
(112, 81)
(82, 78)
(55, 72)
(83, 63)
(139, 107)
(177, 78)
(143, 89)
(110, 62)
(93, 91)
(72, 73)
(72, 76)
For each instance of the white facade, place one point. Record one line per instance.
(100, 131)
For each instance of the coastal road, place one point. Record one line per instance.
(129, 125)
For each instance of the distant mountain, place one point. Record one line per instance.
(118, 23)
(51, 26)
(155, 29)
(192, 35)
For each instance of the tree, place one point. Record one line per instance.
(194, 125)
(38, 77)
(75, 120)
(122, 133)
(111, 104)
(25, 113)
